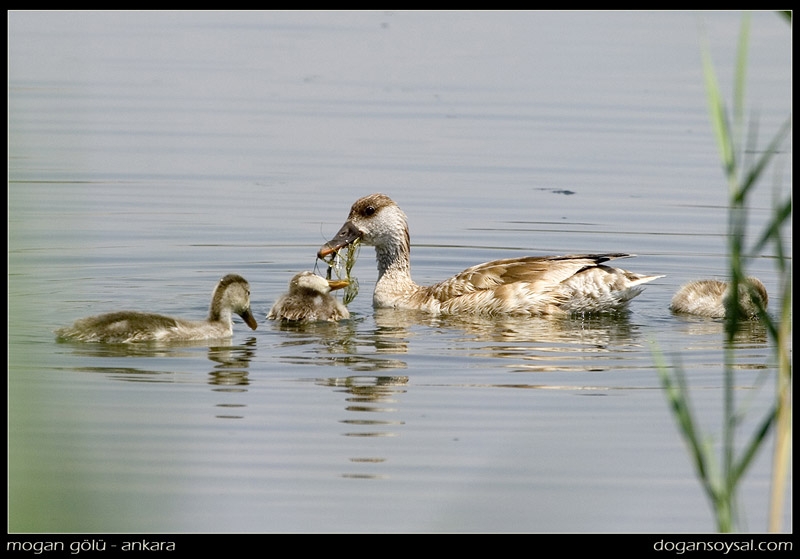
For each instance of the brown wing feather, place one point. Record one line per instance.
(541, 272)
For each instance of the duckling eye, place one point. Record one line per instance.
(369, 210)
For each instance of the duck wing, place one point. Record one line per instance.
(119, 327)
(526, 285)
(540, 273)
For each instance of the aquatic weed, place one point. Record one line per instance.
(721, 480)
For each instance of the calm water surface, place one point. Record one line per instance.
(150, 154)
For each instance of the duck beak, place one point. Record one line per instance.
(338, 284)
(248, 317)
(346, 235)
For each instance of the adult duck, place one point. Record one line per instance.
(707, 298)
(309, 300)
(231, 295)
(545, 285)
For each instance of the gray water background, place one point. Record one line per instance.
(152, 153)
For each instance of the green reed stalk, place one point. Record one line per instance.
(720, 481)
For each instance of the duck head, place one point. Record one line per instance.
(313, 282)
(232, 294)
(376, 220)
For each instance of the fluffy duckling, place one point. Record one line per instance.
(548, 285)
(707, 298)
(231, 295)
(309, 300)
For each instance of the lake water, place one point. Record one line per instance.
(152, 153)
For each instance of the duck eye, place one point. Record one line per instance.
(369, 210)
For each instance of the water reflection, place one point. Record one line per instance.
(704, 340)
(367, 394)
(230, 375)
(141, 349)
(750, 331)
(337, 344)
(229, 357)
(596, 333)
(222, 351)
(131, 374)
(228, 379)
(537, 344)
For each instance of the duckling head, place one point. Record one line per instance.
(312, 282)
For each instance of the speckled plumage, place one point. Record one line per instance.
(707, 298)
(309, 300)
(548, 285)
(231, 295)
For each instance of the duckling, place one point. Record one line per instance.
(707, 298)
(533, 286)
(231, 295)
(309, 300)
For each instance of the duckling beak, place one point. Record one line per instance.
(346, 235)
(338, 284)
(248, 317)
